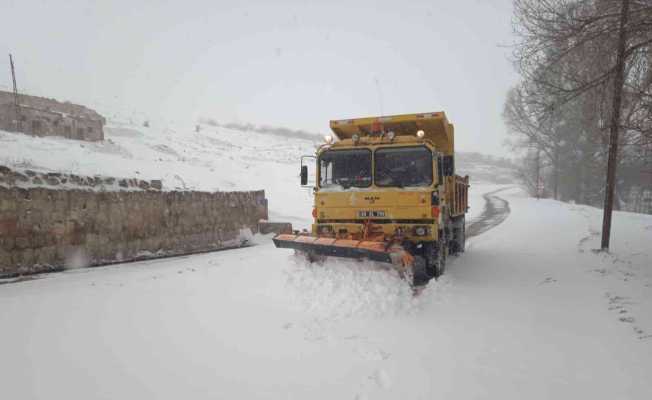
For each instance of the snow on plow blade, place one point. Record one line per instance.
(376, 251)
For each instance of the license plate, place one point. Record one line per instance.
(371, 214)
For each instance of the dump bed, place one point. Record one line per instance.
(435, 126)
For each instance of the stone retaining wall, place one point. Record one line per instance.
(56, 180)
(45, 229)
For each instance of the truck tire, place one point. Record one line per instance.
(436, 258)
(310, 257)
(420, 275)
(462, 236)
(458, 240)
(440, 259)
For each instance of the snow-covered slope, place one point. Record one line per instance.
(213, 159)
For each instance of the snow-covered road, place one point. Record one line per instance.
(529, 311)
(495, 211)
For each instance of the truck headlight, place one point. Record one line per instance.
(421, 231)
(324, 229)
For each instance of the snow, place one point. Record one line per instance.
(529, 311)
(213, 159)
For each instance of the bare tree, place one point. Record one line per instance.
(579, 53)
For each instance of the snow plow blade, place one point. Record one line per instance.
(375, 251)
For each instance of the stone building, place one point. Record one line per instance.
(40, 116)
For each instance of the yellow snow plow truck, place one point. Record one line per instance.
(386, 190)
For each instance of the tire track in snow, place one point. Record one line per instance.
(496, 210)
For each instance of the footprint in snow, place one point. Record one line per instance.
(381, 378)
(548, 280)
(374, 354)
(617, 304)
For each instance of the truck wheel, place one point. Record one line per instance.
(459, 237)
(310, 257)
(436, 256)
(462, 236)
(420, 275)
(440, 259)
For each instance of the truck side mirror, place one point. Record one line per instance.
(304, 175)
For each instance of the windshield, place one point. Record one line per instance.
(405, 166)
(345, 168)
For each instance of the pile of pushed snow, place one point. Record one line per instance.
(338, 289)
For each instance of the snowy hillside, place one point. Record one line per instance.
(214, 159)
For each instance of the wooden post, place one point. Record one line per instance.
(619, 80)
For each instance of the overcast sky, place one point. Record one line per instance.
(288, 63)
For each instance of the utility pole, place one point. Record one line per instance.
(16, 101)
(619, 81)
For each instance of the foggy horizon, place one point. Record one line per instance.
(288, 64)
